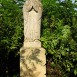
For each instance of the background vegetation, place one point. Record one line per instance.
(58, 37)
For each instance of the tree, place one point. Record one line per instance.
(59, 37)
(10, 37)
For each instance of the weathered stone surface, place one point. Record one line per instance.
(32, 56)
(32, 62)
(32, 12)
(35, 43)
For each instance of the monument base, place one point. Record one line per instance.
(32, 62)
(33, 44)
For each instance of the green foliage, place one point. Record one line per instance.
(11, 27)
(59, 35)
(11, 24)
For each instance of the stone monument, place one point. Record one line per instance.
(32, 55)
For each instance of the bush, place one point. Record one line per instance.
(59, 38)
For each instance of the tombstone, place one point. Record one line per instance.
(32, 55)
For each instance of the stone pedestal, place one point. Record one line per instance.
(32, 62)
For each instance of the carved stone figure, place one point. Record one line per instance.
(32, 55)
(32, 11)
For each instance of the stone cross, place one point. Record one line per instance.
(32, 55)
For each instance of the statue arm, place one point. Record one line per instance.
(26, 8)
(40, 12)
(38, 8)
